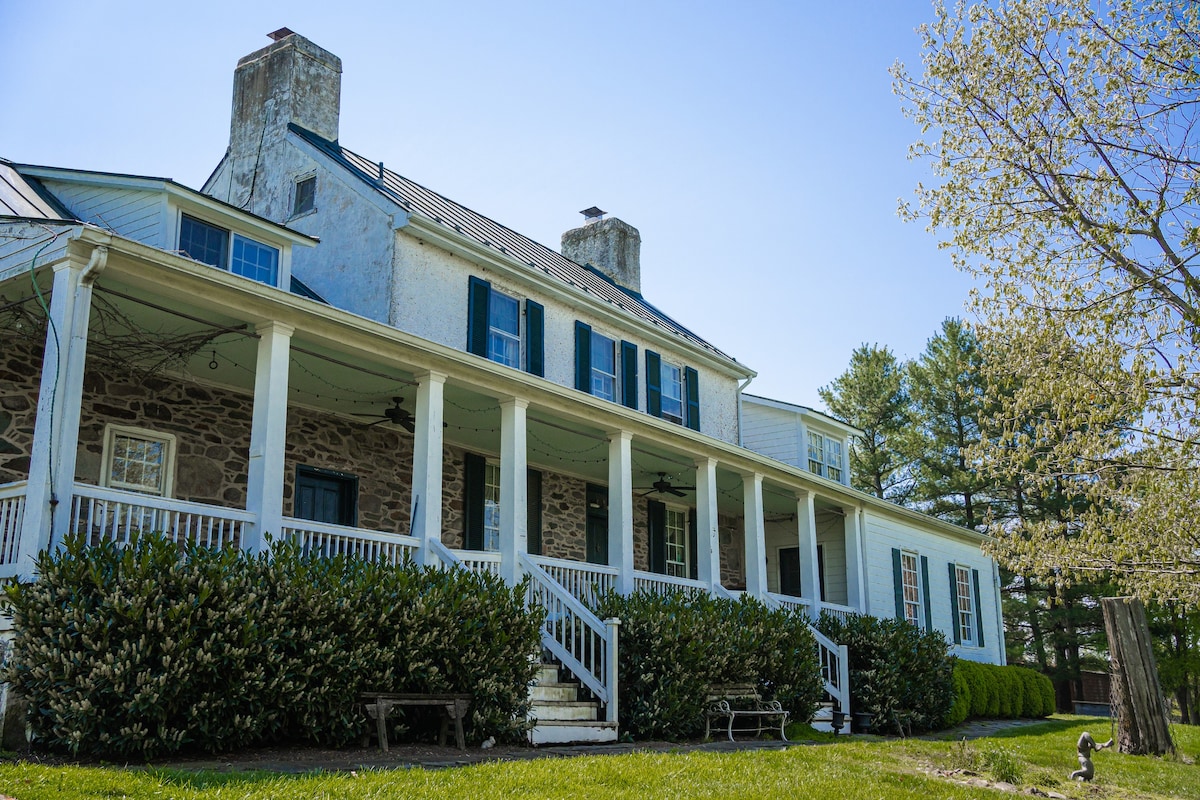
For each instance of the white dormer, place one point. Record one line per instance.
(797, 435)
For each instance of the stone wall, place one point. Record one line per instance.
(564, 517)
(20, 371)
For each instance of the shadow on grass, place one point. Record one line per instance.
(202, 780)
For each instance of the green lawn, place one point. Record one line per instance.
(1044, 754)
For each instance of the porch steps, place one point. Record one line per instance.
(560, 717)
(823, 720)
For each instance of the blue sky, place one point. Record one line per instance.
(757, 146)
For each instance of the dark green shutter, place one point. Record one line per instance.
(954, 620)
(653, 384)
(978, 606)
(533, 500)
(693, 549)
(629, 390)
(478, 293)
(693, 397)
(898, 578)
(583, 357)
(925, 593)
(656, 527)
(535, 339)
(474, 476)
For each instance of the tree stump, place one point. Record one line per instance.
(1138, 700)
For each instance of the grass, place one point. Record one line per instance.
(866, 767)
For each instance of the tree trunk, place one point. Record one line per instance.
(1142, 725)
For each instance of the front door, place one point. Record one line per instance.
(326, 496)
(596, 532)
(789, 571)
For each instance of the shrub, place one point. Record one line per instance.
(899, 673)
(960, 707)
(674, 646)
(980, 686)
(145, 650)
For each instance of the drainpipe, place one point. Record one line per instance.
(741, 389)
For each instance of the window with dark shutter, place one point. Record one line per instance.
(656, 526)
(474, 477)
(533, 499)
(478, 293)
(629, 373)
(583, 357)
(535, 333)
(955, 614)
(692, 385)
(925, 593)
(653, 384)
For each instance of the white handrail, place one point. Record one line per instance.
(585, 581)
(327, 539)
(656, 582)
(116, 515)
(585, 644)
(834, 659)
(444, 554)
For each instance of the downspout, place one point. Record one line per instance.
(741, 389)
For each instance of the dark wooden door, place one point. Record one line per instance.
(596, 531)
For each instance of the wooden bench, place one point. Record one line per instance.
(380, 704)
(734, 701)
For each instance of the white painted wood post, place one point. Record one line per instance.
(620, 508)
(613, 629)
(268, 435)
(756, 535)
(708, 536)
(855, 595)
(514, 521)
(55, 444)
(810, 564)
(426, 511)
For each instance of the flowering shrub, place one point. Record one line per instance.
(145, 650)
(674, 646)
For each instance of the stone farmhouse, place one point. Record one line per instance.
(314, 347)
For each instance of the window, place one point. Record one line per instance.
(833, 460)
(138, 460)
(676, 543)
(491, 507)
(304, 199)
(210, 245)
(325, 495)
(966, 605)
(672, 392)
(504, 330)
(912, 588)
(816, 453)
(494, 327)
(604, 367)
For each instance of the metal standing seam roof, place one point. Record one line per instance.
(20, 197)
(416, 198)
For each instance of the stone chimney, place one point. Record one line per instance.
(612, 246)
(291, 80)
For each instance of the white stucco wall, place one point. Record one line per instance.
(885, 531)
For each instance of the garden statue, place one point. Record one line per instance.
(1086, 745)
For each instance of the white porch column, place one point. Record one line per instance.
(756, 534)
(513, 488)
(264, 490)
(60, 397)
(855, 591)
(708, 540)
(810, 564)
(620, 508)
(426, 512)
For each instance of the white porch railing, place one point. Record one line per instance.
(834, 659)
(586, 581)
(479, 560)
(834, 610)
(585, 644)
(12, 513)
(328, 540)
(661, 584)
(789, 601)
(116, 516)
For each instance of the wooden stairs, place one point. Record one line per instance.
(560, 717)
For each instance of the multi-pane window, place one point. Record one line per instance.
(504, 329)
(676, 541)
(491, 507)
(816, 453)
(604, 367)
(912, 588)
(210, 244)
(305, 199)
(966, 605)
(138, 461)
(833, 460)
(672, 392)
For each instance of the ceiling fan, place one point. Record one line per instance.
(395, 415)
(664, 486)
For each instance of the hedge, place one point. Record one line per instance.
(145, 649)
(674, 646)
(988, 691)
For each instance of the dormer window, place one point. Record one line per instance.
(816, 453)
(833, 460)
(218, 247)
(305, 198)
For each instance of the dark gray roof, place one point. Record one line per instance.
(416, 198)
(25, 197)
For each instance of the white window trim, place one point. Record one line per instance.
(816, 466)
(834, 464)
(112, 430)
(492, 329)
(966, 635)
(491, 464)
(615, 375)
(229, 233)
(663, 366)
(918, 619)
(687, 556)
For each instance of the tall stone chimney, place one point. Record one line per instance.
(612, 246)
(291, 80)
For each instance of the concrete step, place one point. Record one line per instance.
(573, 732)
(554, 692)
(547, 673)
(573, 710)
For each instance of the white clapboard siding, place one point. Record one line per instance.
(132, 213)
(773, 432)
(884, 532)
(831, 537)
